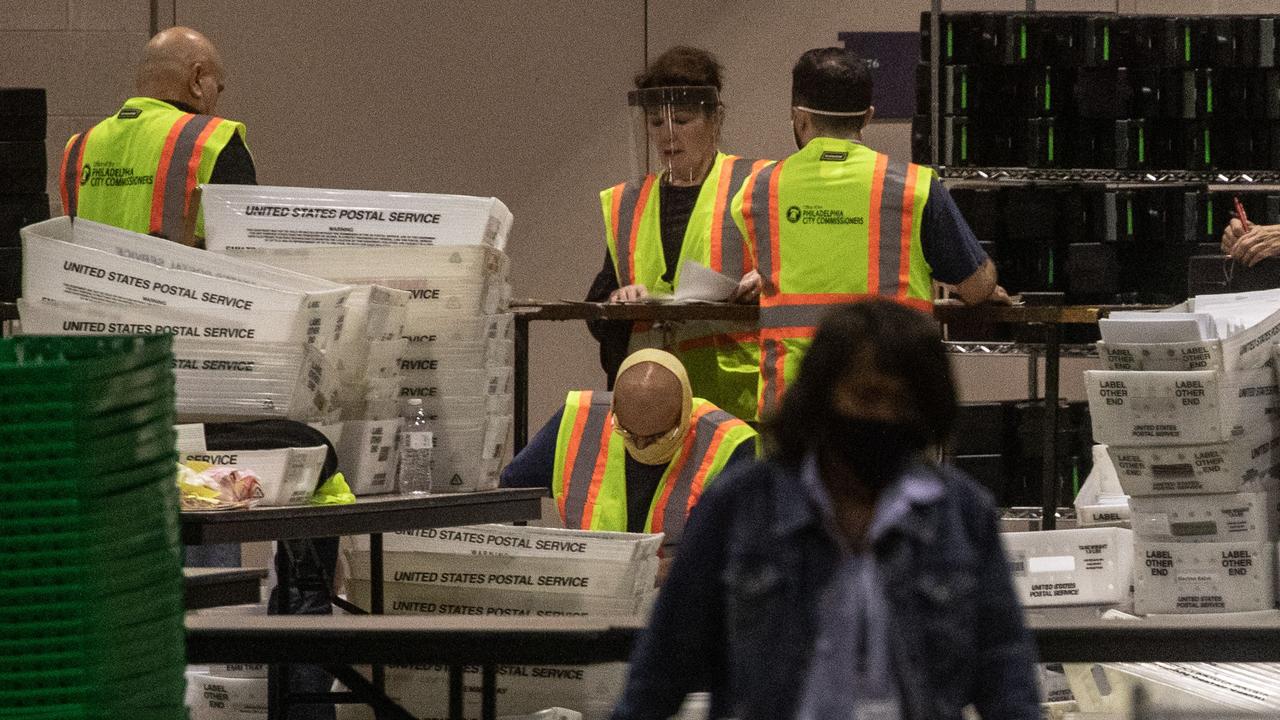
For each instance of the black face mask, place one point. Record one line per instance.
(875, 450)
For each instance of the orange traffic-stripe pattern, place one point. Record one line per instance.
(179, 161)
(72, 167)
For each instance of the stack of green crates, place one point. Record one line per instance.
(90, 561)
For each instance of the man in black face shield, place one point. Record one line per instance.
(848, 575)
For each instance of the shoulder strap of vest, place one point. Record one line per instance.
(586, 457)
(760, 213)
(629, 205)
(891, 225)
(72, 162)
(728, 255)
(688, 475)
(179, 161)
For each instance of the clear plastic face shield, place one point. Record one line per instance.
(675, 132)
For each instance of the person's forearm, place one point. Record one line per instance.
(979, 286)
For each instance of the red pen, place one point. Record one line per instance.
(1244, 219)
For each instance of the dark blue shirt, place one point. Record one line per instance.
(949, 245)
(739, 614)
(534, 465)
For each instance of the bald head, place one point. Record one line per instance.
(648, 399)
(181, 64)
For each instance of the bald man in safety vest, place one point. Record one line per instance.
(636, 459)
(138, 169)
(837, 221)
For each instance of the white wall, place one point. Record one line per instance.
(524, 101)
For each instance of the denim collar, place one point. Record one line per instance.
(897, 509)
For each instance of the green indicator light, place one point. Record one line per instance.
(964, 142)
(951, 33)
(1047, 89)
(1023, 41)
(1186, 43)
(964, 91)
(1142, 145)
(1050, 144)
(1208, 220)
(1208, 94)
(1051, 267)
(1207, 154)
(1128, 217)
(1106, 42)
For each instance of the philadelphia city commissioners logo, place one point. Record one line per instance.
(84, 175)
(793, 214)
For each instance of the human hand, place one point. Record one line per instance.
(1232, 233)
(1257, 244)
(629, 293)
(748, 290)
(999, 296)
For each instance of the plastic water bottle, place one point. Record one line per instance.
(413, 474)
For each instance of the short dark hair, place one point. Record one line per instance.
(681, 65)
(899, 340)
(832, 79)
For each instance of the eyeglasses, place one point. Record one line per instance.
(648, 439)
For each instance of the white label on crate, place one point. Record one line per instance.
(1061, 563)
(420, 440)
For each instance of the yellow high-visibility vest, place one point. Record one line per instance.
(721, 358)
(137, 169)
(832, 223)
(589, 480)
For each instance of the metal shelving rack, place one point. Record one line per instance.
(1052, 347)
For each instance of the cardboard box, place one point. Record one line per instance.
(1231, 517)
(287, 476)
(414, 599)
(1186, 577)
(521, 690)
(506, 573)
(1084, 566)
(1141, 408)
(1222, 467)
(223, 698)
(526, 541)
(257, 216)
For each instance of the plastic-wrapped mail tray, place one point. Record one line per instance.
(249, 216)
(1248, 461)
(1086, 566)
(1132, 408)
(1182, 577)
(1230, 517)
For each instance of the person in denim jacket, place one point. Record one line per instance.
(846, 575)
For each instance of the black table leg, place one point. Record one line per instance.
(1049, 485)
(489, 692)
(455, 692)
(520, 423)
(376, 604)
(277, 673)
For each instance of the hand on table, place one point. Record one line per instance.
(629, 293)
(1232, 233)
(1256, 244)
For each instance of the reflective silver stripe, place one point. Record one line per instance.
(673, 516)
(731, 240)
(895, 184)
(622, 233)
(782, 316)
(71, 176)
(175, 182)
(768, 382)
(584, 463)
(760, 219)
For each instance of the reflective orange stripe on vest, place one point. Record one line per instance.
(628, 205)
(728, 255)
(584, 463)
(709, 426)
(179, 162)
(72, 162)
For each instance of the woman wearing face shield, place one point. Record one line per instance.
(674, 209)
(848, 575)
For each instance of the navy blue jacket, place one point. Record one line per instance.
(738, 614)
